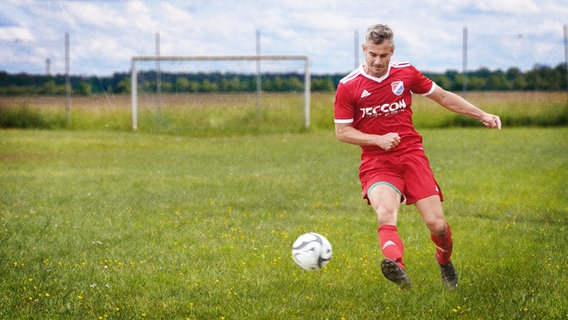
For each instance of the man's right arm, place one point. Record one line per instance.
(346, 133)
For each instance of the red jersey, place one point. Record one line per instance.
(382, 105)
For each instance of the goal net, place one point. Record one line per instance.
(155, 79)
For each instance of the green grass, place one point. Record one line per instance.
(238, 114)
(121, 225)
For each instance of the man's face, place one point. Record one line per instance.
(377, 58)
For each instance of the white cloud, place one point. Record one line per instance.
(507, 6)
(16, 34)
(105, 34)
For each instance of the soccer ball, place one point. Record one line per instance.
(311, 251)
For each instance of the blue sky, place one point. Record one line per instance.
(104, 35)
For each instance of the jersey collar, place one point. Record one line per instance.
(381, 79)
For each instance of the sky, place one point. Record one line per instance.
(105, 34)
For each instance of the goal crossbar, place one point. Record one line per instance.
(134, 75)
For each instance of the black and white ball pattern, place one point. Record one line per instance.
(311, 251)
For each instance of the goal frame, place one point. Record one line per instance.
(258, 58)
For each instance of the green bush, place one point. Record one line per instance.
(26, 117)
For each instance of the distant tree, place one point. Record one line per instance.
(562, 72)
(476, 83)
(231, 85)
(540, 77)
(442, 81)
(497, 81)
(516, 79)
(295, 84)
(123, 86)
(194, 86)
(324, 84)
(484, 73)
(545, 78)
(84, 88)
(167, 87)
(278, 84)
(183, 84)
(51, 88)
(209, 86)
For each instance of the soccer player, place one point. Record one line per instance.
(372, 110)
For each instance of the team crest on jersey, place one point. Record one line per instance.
(397, 87)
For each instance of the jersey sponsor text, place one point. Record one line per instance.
(384, 109)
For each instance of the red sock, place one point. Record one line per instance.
(391, 245)
(444, 246)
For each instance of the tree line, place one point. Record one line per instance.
(539, 78)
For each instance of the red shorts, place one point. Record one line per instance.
(408, 172)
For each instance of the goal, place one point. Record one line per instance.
(258, 58)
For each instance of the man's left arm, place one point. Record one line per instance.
(457, 104)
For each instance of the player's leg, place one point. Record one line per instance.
(385, 200)
(431, 210)
(422, 189)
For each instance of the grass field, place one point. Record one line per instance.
(194, 215)
(121, 225)
(237, 114)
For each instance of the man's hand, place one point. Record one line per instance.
(348, 134)
(491, 121)
(388, 141)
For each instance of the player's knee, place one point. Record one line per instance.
(386, 215)
(437, 227)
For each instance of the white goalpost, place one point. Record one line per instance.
(257, 58)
